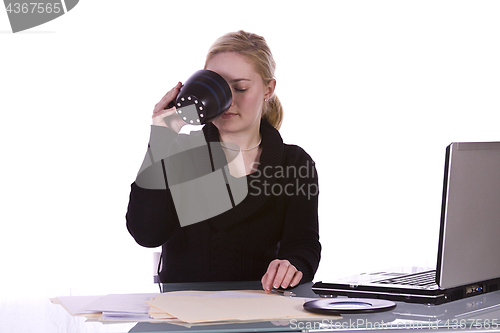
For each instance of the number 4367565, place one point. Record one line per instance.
(34, 7)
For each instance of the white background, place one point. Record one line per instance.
(374, 91)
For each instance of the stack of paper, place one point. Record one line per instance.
(115, 307)
(188, 308)
(195, 307)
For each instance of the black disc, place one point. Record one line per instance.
(348, 305)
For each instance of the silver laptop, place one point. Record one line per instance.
(468, 260)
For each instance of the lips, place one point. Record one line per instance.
(228, 115)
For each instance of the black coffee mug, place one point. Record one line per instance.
(203, 97)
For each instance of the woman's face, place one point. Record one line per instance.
(248, 92)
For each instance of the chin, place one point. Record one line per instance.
(226, 122)
(235, 124)
(227, 127)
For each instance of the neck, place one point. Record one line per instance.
(244, 141)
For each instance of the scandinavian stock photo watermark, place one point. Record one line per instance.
(25, 15)
(295, 184)
(199, 177)
(360, 323)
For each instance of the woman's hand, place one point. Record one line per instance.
(280, 273)
(168, 117)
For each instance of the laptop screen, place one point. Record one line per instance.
(470, 223)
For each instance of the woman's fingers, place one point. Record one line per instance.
(167, 99)
(160, 110)
(280, 273)
(287, 276)
(295, 280)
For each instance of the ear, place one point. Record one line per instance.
(269, 89)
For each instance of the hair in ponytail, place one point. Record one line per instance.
(256, 50)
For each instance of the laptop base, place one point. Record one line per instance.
(434, 296)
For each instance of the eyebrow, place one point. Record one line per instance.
(238, 80)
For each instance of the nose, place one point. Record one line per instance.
(232, 100)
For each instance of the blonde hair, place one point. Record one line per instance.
(256, 50)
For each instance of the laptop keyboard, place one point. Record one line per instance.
(422, 279)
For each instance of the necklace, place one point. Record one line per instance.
(258, 144)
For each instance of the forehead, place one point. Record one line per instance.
(232, 66)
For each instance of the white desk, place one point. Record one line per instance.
(478, 313)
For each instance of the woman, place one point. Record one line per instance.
(272, 235)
